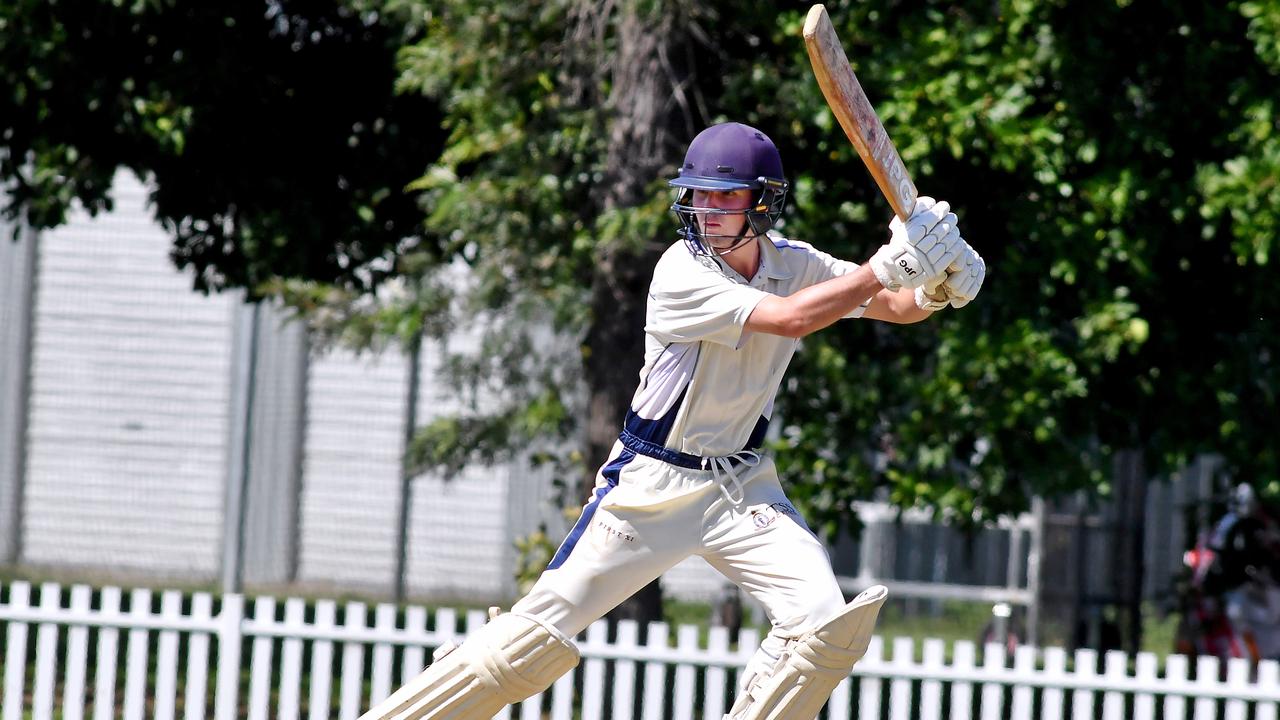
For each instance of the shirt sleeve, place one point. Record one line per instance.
(703, 305)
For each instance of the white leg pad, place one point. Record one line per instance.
(512, 658)
(810, 668)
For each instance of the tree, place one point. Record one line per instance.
(1096, 156)
(272, 132)
(1115, 162)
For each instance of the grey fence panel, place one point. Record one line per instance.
(128, 405)
(17, 284)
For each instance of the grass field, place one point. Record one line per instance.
(949, 621)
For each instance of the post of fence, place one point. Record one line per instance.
(230, 629)
(18, 264)
(1034, 553)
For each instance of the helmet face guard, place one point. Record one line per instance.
(722, 158)
(769, 197)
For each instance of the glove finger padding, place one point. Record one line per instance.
(898, 265)
(948, 247)
(920, 248)
(963, 285)
(922, 220)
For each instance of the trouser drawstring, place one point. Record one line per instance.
(724, 464)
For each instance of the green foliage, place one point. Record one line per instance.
(1114, 162)
(272, 131)
(534, 552)
(1115, 165)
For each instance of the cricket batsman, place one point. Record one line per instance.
(727, 308)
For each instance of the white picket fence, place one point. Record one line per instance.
(187, 655)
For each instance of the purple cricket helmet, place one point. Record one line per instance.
(730, 156)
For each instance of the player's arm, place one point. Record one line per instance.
(911, 257)
(896, 307)
(814, 307)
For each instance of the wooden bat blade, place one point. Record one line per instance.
(854, 111)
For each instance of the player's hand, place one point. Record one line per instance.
(920, 249)
(964, 276)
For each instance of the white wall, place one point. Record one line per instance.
(128, 410)
(130, 432)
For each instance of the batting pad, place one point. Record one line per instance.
(513, 657)
(811, 667)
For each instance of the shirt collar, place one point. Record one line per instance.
(772, 264)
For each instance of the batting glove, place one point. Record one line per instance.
(964, 276)
(920, 249)
(932, 298)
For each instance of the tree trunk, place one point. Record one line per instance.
(649, 122)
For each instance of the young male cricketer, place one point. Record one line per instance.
(726, 309)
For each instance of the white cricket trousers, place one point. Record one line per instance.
(645, 515)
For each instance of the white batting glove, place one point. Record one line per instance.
(919, 249)
(931, 298)
(964, 276)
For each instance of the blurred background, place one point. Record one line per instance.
(345, 298)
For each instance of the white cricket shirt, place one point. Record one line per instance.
(707, 388)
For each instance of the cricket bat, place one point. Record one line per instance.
(854, 111)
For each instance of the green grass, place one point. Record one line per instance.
(953, 621)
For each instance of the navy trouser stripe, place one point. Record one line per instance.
(610, 473)
(758, 432)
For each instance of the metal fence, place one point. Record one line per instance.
(149, 431)
(185, 656)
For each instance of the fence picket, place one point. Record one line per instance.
(414, 658)
(748, 644)
(624, 671)
(869, 686)
(46, 653)
(104, 686)
(593, 673)
(935, 661)
(1238, 680)
(167, 657)
(1116, 670)
(838, 707)
(1024, 666)
(15, 656)
(137, 657)
(655, 675)
(230, 620)
(263, 657)
(321, 690)
(1206, 674)
(1055, 670)
(1268, 676)
(295, 614)
(1175, 675)
(383, 654)
(562, 698)
(531, 708)
(962, 660)
(1086, 666)
(1144, 703)
(686, 674)
(352, 682)
(718, 647)
(198, 660)
(1104, 696)
(900, 687)
(993, 660)
(77, 656)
